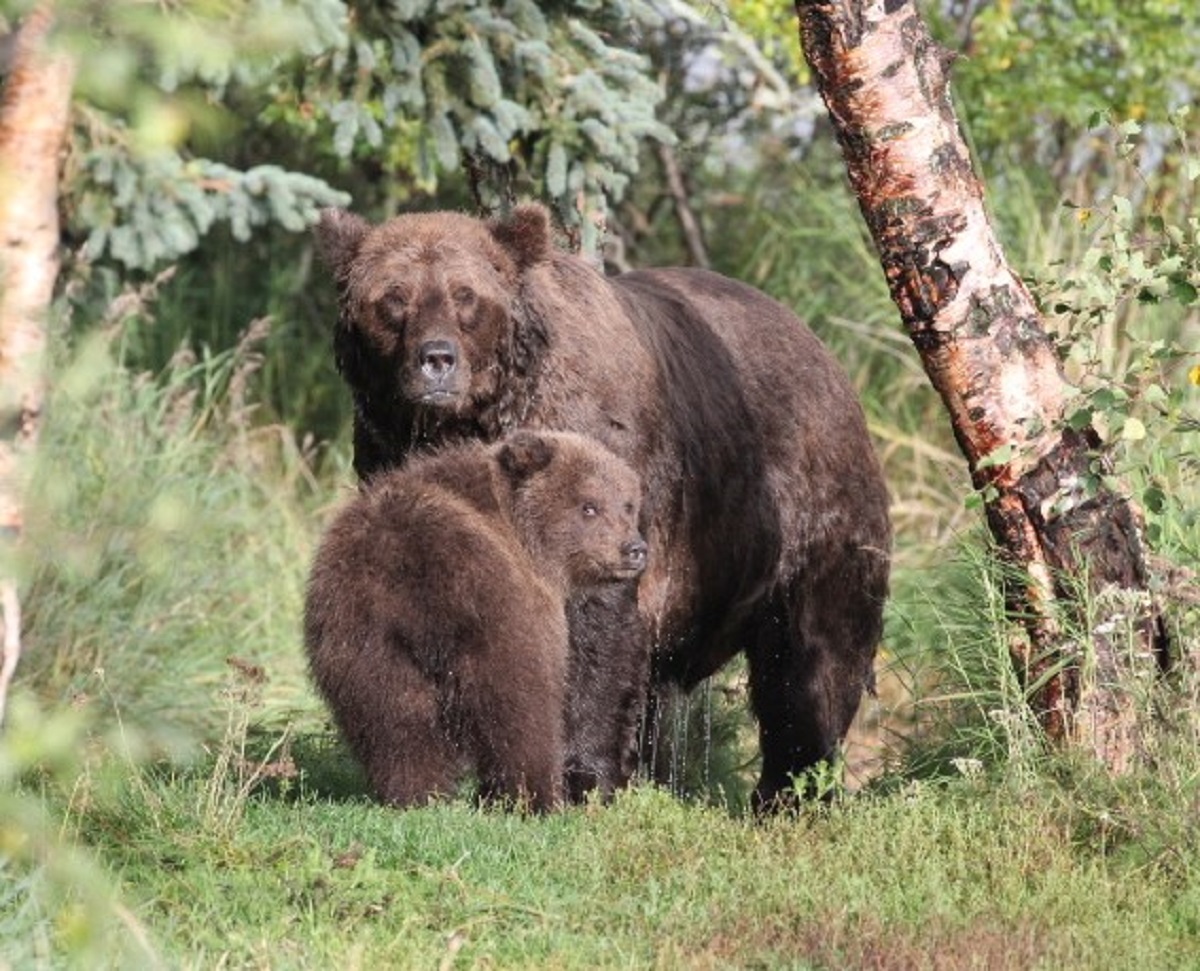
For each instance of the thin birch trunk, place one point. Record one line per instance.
(980, 337)
(33, 125)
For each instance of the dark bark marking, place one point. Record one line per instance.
(889, 133)
(911, 242)
(855, 25)
(855, 141)
(927, 339)
(987, 312)
(948, 162)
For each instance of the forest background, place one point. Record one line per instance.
(165, 760)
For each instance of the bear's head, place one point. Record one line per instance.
(575, 505)
(427, 301)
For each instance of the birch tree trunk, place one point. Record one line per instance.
(33, 125)
(1093, 634)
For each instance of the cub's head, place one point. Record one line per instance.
(426, 302)
(575, 505)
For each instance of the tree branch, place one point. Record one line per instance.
(688, 223)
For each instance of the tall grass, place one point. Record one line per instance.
(167, 532)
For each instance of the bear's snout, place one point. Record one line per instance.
(633, 555)
(437, 360)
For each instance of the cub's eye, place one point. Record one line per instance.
(589, 509)
(629, 508)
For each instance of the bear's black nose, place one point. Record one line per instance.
(437, 359)
(634, 554)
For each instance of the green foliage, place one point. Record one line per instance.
(559, 89)
(967, 871)
(55, 898)
(706, 746)
(776, 30)
(1057, 63)
(1127, 315)
(138, 55)
(149, 75)
(142, 211)
(157, 550)
(556, 96)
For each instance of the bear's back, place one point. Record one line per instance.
(426, 556)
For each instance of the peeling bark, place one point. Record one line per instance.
(33, 125)
(885, 83)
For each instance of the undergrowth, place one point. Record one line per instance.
(169, 534)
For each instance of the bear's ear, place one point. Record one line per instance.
(339, 234)
(525, 234)
(523, 454)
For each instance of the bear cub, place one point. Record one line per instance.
(435, 616)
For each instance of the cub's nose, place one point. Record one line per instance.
(437, 359)
(633, 554)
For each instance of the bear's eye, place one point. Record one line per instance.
(589, 509)
(393, 306)
(463, 296)
(629, 508)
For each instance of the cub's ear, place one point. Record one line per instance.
(523, 454)
(339, 234)
(525, 234)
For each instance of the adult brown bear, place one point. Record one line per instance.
(766, 507)
(435, 616)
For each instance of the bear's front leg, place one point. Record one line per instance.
(609, 666)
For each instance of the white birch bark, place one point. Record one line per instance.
(34, 115)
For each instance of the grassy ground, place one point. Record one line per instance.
(1057, 871)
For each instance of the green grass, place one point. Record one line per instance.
(168, 535)
(968, 872)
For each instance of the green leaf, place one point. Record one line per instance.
(1154, 394)
(1133, 430)
(1080, 419)
(1183, 291)
(1154, 499)
(997, 456)
(556, 169)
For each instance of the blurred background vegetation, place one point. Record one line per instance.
(197, 433)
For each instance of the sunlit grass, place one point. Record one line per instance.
(166, 534)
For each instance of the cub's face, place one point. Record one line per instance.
(577, 507)
(425, 305)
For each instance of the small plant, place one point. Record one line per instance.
(235, 773)
(1126, 314)
(56, 900)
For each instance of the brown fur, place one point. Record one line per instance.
(765, 503)
(435, 618)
